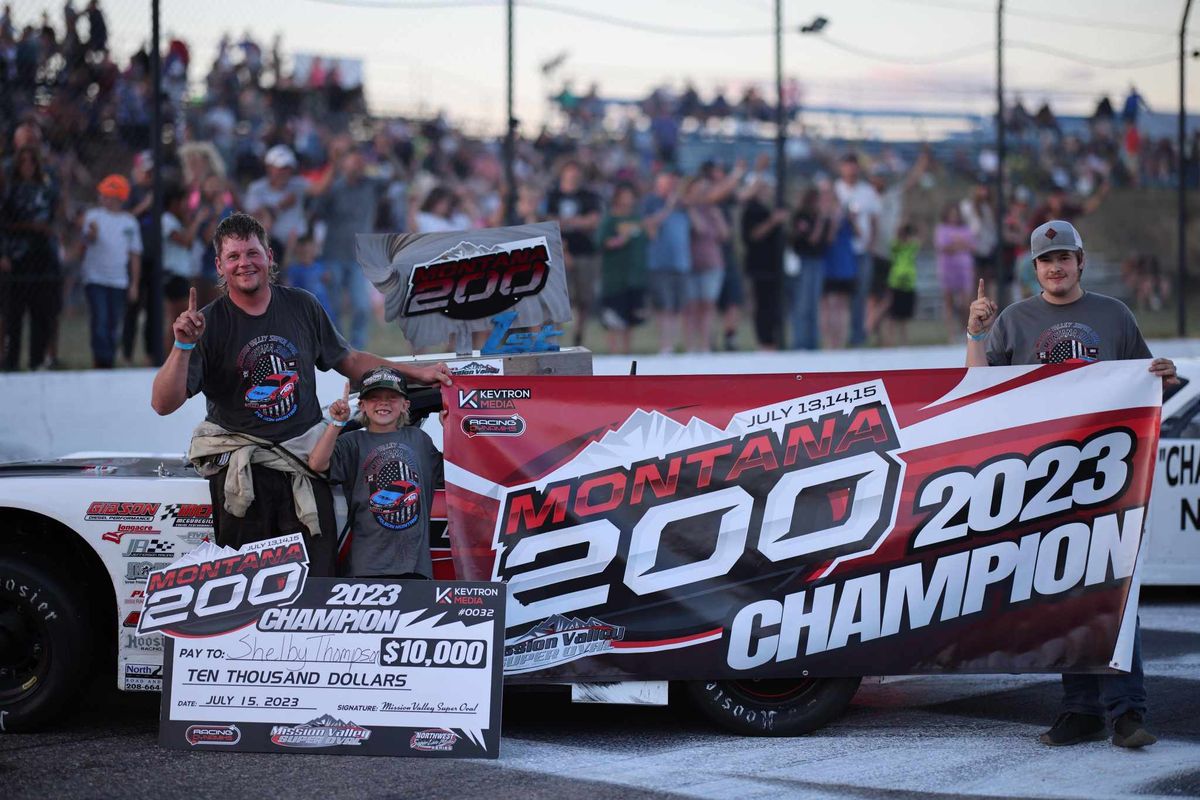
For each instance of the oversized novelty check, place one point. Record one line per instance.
(261, 657)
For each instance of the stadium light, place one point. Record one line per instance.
(816, 26)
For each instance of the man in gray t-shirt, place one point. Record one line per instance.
(1066, 324)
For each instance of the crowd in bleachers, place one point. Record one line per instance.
(649, 238)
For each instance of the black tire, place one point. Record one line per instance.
(773, 707)
(45, 643)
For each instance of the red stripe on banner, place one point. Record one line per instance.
(676, 640)
(1026, 379)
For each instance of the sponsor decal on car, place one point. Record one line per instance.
(483, 425)
(492, 399)
(324, 731)
(136, 597)
(213, 734)
(434, 740)
(142, 678)
(137, 571)
(121, 511)
(188, 515)
(195, 538)
(126, 530)
(150, 548)
(150, 643)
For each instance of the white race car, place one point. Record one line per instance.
(78, 536)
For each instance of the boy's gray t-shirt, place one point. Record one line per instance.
(1093, 328)
(389, 480)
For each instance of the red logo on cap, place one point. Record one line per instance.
(1051, 233)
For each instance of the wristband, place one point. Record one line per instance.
(976, 337)
(184, 345)
(337, 424)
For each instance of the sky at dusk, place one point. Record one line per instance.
(923, 54)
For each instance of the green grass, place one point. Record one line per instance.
(74, 351)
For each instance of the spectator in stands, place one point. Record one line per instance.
(281, 192)
(31, 283)
(813, 227)
(211, 207)
(762, 232)
(577, 209)
(841, 277)
(305, 271)
(723, 193)
(860, 206)
(902, 284)
(1059, 205)
(954, 244)
(180, 264)
(708, 231)
(111, 266)
(979, 214)
(623, 244)
(348, 207)
(439, 212)
(892, 195)
(141, 205)
(669, 259)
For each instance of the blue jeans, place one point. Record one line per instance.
(347, 276)
(107, 309)
(858, 306)
(804, 305)
(1108, 695)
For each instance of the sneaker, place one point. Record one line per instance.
(1130, 731)
(1072, 728)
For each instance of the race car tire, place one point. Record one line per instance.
(773, 707)
(45, 644)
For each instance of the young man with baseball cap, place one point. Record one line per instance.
(1064, 323)
(112, 265)
(389, 470)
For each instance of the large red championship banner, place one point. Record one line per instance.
(653, 527)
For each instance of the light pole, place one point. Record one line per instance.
(510, 136)
(1181, 289)
(1001, 149)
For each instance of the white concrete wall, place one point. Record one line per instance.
(50, 414)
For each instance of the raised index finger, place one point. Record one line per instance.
(192, 299)
(346, 392)
(982, 294)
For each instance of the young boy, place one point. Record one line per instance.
(305, 272)
(902, 284)
(389, 471)
(112, 265)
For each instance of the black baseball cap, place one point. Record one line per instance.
(383, 378)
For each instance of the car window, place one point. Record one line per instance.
(1185, 423)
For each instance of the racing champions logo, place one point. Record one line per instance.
(771, 499)
(393, 485)
(270, 369)
(476, 282)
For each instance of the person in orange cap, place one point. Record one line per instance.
(112, 264)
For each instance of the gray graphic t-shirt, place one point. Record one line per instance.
(389, 480)
(258, 374)
(1093, 328)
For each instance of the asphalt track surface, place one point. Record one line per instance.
(916, 737)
